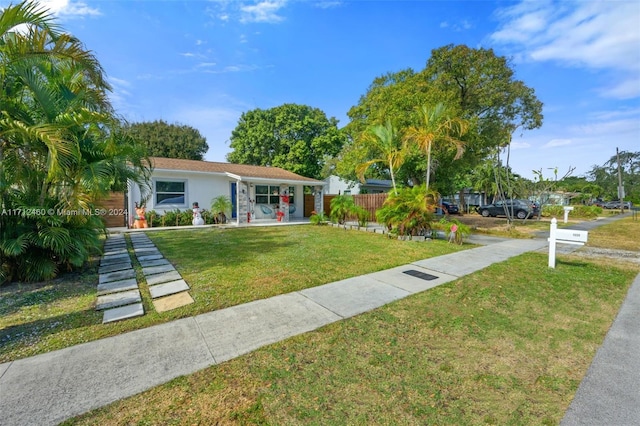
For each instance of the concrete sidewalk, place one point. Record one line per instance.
(49, 388)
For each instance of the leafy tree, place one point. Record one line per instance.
(297, 138)
(170, 140)
(475, 84)
(606, 176)
(385, 140)
(61, 147)
(437, 127)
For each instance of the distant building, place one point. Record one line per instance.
(338, 186)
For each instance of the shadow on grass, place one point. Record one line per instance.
(17, 296)
(572, 263)
(27, 333)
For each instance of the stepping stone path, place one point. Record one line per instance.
(118, 293)
(168, 289)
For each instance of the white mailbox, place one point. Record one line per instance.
(567, 209)
(563, 236)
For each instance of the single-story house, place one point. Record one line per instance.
(257, 193)
(339, 186)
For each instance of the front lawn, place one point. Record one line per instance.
(223, 267)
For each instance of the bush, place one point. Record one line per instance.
(462, 232)
(579, 211)
(342, 207)
(409, 212)
(318, 219)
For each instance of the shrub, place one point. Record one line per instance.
(409, 212)
(579, 211)
(342, 207)
(318, 219)
(462, 232)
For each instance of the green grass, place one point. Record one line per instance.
(223, 267)
(507, 345)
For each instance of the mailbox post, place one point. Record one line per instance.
(567, 209)
(563, 236)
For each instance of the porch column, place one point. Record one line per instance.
(318, 199)
(243, 202)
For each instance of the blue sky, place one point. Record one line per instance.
(203, 63)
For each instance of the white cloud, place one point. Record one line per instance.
(261, 11)
(69, 8)
(602, 35)
(462, 25)
(520, 145)
(264, 11)
(557, 142)
(327, 4)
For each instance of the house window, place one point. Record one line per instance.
(270, 194)
(170, 192)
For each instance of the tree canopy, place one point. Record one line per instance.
(474, 84)
(606, 176)
(162, 139)
(297, 138)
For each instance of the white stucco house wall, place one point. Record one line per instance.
(258, 193)
(339, 186)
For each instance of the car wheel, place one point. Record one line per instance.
(521, 214)
(485, 213)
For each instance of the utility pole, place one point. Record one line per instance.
(620, 187)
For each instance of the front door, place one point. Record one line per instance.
(234, 200)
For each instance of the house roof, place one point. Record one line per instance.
(235, 171)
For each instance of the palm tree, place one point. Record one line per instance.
(61, 146)
(385, 141)
(437, 127)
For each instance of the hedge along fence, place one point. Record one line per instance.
(579, 211)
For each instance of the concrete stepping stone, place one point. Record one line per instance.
(113, 242)
(116, 276)
(143, 244)
(114, 300)
(166, 289)
(117, 286)
(137, 248)
(116, 258)
(113, 252)
(156, 262)
(118, 246)
(149, 257)
(167, 303)
(164, 277)
(157, 269)
(145, 251)
(115, 267)
(123, 312)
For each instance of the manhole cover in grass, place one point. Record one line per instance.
(420, 275)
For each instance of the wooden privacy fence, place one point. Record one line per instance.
(371, 202)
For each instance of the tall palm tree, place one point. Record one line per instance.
(437, 127)
(386, 141)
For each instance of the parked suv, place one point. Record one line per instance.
(521, 209)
